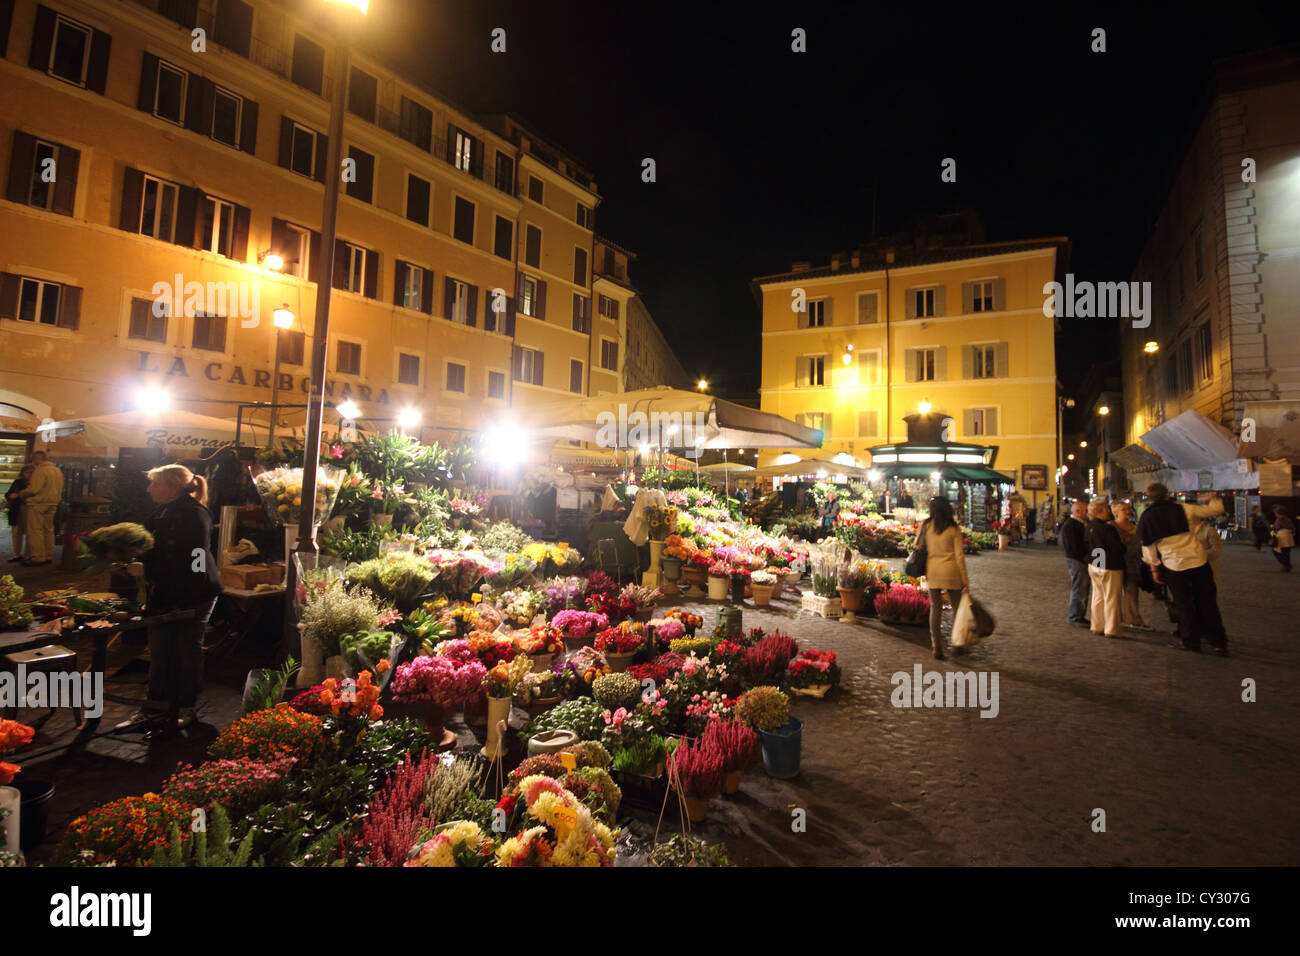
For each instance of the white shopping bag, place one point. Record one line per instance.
(965, 630)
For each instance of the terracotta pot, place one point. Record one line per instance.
(572, 644)
(763, 593)
(694, 574)
(696, 809)
(540, 705)
(542, 662)
(618, 663)
(850, 598)
(731, 782)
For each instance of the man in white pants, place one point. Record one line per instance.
(40, 500)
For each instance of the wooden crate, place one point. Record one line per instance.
(823, 607)
(249, 576)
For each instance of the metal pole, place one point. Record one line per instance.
(275, 391)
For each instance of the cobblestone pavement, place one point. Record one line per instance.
(1160, 739)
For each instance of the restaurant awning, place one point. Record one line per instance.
(1136, 458)
(1192, 441)
(174, 429)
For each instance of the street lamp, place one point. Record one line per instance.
(702, 384)
(1151, 346)
(924, 408)
(283, 319)
(1104, 412)
(408, 417)
(348, 409)
(152, 400)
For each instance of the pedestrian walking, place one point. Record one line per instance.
(14, 499)
(181, 574)
(1207, 535)
(1073, 533)
(945, 567)
(40, 500)
(1178, 560)
(1284, 527)
(1130, 609)
(1105, 569)
(1259, 527)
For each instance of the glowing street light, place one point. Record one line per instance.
(282, 317)
(348, 409)
(935, 476)
(362, 5)
(504, 444)
(873, 475)
(924, 408)
(1083, 444)
(702, 384)
(1151, 346)
(408, 417)
(1070, 456)
(1104, 410)
(152, 400)
(273, 262)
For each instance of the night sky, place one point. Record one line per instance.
(766, 156)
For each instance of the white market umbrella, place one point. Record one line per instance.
(810, 466)
(174, 429)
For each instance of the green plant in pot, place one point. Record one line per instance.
(850, 582)
(767, 710)
(824, 585)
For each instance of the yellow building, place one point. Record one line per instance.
(852, 347)
(141, 155)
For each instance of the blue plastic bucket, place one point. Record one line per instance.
(781, 748)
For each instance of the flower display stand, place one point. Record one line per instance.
(652, 579)
(822, 607)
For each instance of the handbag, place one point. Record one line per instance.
(916, 561)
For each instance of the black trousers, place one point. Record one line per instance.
(1261, 539)
(1196, 602)
(1283, 556)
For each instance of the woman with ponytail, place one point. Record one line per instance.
(181, 574)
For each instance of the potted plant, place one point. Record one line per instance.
(579, 628)
(1003, 529)
(904, 604)
(429, 687)
(537, 692)
(642, 600)
(621, 644)
(739, 581)
(767, 710)
(850, 582)
(500, 683)
(763, 584)
(614, 691)
(813, 673)
(541, 643)
(695, 771)
(739, 744)
(719, 580)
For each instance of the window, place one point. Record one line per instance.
(363, 91)
(981, 421)
(455, 377)
(169, 93)
(1186, 373)
(145, 324)
(528, 296)
(818, 421)
(1204, 353)
(811, 371)
(1198, 254)
(209, 332)
(581, 313)
(496, 384)
(868, 302)
(922, 303)
(354, 268)
(463, 227)
(535, 189)
(503, 242)
(1171, 374)
(70, 53)
(234, 26)
(43, 174)
(302, 157)
(869, 367)
(505, 174)
(308, 64)
(40, 194)
(416, 124)
(529, 364)
(184, 12)
(609, 307)
(38, 302)
(983, 361)
(218, 226)
(347, 359)
(227, 116)
(584, 216)
(158, 210)
(459, 299)
(533, 247)
(294, 246)
(924, 370)
(362, 185)
(1181, 269)
(292, 347)
(575, 376)
(463, 150)
(579, 266)
(868, 422)
(413, 287)
(417, 199)
(982, 299)
(408, 369)
(610, 262)
(609, 355)
(814, 317)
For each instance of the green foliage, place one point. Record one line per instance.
(824, 585)
(334, 611)
(304, 826)
(399, 578)
(268, 686)
(582, 716)
(355, 546)
(613, 691)
(641, 757)
(700, 646)
(503, 536)
(14, 614)
(210, 847)
(451, 787)
(590, 753)
(380, 746)
(763, 708)
(684, 849)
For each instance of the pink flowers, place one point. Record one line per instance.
(670, 630)
(443, 680)
(616, 719)
(579, 623)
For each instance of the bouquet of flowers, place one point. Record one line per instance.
(539, 639)
(812, 668)
(519, 607)
(600, 583)
(504, 677)
(579, 624)
(720, 569)
(904, 603)
(762, 578)
(272, 735)
(443, 680)
(124, 832)
(464, 507)
(397, 576)
(461, 843)
(662, 521)
(565, 834)
(629, 636)
(117, 543)
(281, 492)
(514, 568)
(640, 597)
(576, 675)
(535, 686)
(689, 619)
(564, 593)
(354, 698)
(668, 630)
(492, 649)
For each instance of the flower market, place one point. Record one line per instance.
(596, 664)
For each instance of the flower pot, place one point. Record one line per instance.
(432, 714)
(1004, 542)
(717, 588)
(572, 644)
(696, 809)
(334, 666)
(851, 598)
(763, 593)
(541, 662)
(312, 671)
(656, 556)
(672, 567)
(476, 709)
(540, 705)
(381, 521)
(618, 663)
(33, 812)
(498, 716)
(731, 782)
(781, 748)
(551, 741)
(738, 586)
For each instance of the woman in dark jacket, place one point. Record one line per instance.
(15, 502)
(181, 574)
(1105, 569)
(1285, 529)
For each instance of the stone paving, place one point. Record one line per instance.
(1158, 738)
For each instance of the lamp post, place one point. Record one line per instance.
(1106, 483)
(283, 319)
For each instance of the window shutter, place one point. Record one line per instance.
(187, 220)
(451, 143)
(248, 128)
(9, 286)
(940, 301)
(577, 312)
(867, 309)
(471, 307)
(1002, 361)
(371, 287)
(279, 238)
(510, 318)
(909, 362)
(148, 82)
(22, 163)
(616, 307)
(314, 257)
(575, 376)
(828, 306)
(539, 360)
(239, 234)
(65, 187)
(1000, 294)
(97, 66)
(967, 361)
(399, 282)
(42, 39)
(286, 142)
(968, 422)
(198, 105)
(991, 421)
(339, 278)
(541, 300)
(132, 196)
(967, 299)
(941, 363)
(322, 156)
(826, 425)
(516, 363)
(70, 307)
(448, 298)
(909, 301)
(426, 292)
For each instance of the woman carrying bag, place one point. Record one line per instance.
(945, 567)
(181, 574)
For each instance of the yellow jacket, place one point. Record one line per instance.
(46, 488)
(945, 564)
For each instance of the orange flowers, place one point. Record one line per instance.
(14, 735)
(272, 734)
(354, 699)
(8, 771)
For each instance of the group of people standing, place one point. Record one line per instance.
(1280, 532)
(32, 500)
(1110, 560)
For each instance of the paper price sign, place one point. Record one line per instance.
(564, 545)
(565, 820)
(569, 761)
(476, 598)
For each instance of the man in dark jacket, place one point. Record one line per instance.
(1074, 542)
(1179, 561)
